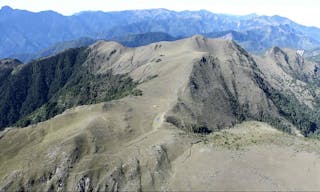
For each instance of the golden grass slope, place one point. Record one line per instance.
(127, 144)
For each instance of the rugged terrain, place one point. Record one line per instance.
(200, 121)
(254, 32)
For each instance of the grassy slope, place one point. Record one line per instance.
(251, 156)
(45, 88)
(126, 144)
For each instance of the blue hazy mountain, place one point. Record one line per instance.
(24, 32)
(54, 49)
(258, 40)
(133, 40)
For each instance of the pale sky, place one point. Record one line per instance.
(306, 12)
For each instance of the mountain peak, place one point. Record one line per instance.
(275, 50)
(279, 18)
(109, 44)
(198, 36)
(9, 63)
(6, 8)
(170, 93)
(199, 42)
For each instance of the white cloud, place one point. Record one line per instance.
(301, 11)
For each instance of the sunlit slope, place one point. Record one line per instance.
(176, 131)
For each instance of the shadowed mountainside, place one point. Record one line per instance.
(168, 136)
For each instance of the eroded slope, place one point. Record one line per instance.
(147, 142)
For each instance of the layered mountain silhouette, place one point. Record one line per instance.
(133, 40)
(24, 33)
(139, 101)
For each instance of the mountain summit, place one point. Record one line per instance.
(190, 114)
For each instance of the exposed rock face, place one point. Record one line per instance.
(9, 63)
(84, 185)
(190, 88)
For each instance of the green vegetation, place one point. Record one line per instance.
(192, 127)
(201, 129)
(299, 114)
(45, 88)
(242, 111)
(136, 92)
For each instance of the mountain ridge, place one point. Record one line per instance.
(105, 56)
(133, 40)
(196, 105)
(105, 25)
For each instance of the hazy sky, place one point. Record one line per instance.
(306, 12)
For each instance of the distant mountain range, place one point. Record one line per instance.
(54, 49)
(258, 40)
(133, 40)
(28, 35)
